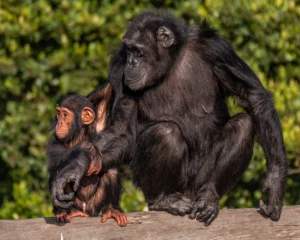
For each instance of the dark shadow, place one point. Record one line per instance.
(52, 220)
(265, 216)
(262, 213)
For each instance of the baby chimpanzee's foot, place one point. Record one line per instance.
(176, 204)
(63, 217)
(115, 212)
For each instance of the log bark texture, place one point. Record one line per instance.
(230, 224)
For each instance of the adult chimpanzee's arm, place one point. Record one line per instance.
(57, 205)
(116, 141)
(59, 156)
(236, 76)
(66, 165)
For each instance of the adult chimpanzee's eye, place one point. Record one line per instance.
(128, 50)
(137, 52)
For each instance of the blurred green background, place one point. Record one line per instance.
(50, 48)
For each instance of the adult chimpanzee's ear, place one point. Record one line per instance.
(165, 37)
(87, 116)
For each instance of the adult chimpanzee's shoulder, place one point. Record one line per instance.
(206, 31)
(211, 45)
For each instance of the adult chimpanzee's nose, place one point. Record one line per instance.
(132, 61)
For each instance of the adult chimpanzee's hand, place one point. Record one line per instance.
(273, 188)
(85, 159)
(70, 174)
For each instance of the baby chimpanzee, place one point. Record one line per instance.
(75, 130)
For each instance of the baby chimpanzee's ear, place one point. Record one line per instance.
(88, 116)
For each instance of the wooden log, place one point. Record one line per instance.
(230, 224)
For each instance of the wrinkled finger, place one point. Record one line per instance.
(60, 195)
(182, 212)
(104, 219)
(210, 219)
(106, 216)
(193, 213)
(121, 221)
(76, 184)
(118, 220)
(201, 215)
(263, 208)
(62, 204)
(186, 199)
(207, 216)
(173, 210)
(189, 205)
(67, 218)
(59, 185)
(124, 220)
(71, 178)
(182, 205)
(90, 172)
(187, 211)
(66, 197)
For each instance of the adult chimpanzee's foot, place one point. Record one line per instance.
(176, 204)
(206, 207)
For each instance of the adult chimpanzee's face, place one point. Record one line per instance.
(147, 57)
(138, 71)
(65, 121)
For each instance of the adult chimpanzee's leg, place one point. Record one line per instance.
(160, 168)
(235, 147)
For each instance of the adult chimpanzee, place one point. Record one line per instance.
(72, 142)
(171, 119)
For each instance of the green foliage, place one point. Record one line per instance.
(27, 204)
(50, 48)
(132, 200)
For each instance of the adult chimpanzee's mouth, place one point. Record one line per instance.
(133, 79)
